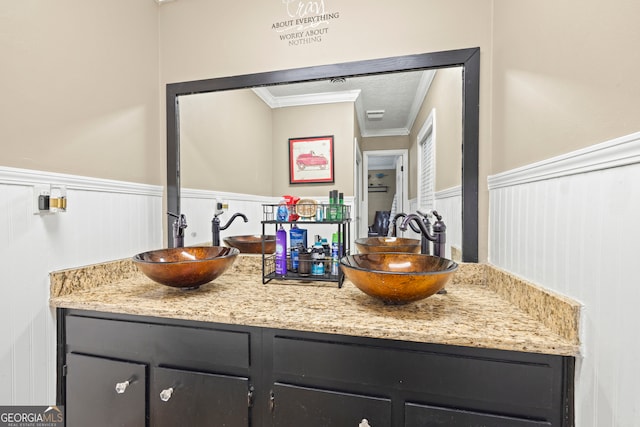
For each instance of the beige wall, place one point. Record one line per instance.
(225, 142)
(563, 77)
(233, 141)
(445, 97)
(554, 77)
(81, 94)
(79, 84)
(314, 120)
(204, 39)
(372, 143)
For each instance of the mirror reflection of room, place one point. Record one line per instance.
(214, 127)
(432, 139)
(381, 185)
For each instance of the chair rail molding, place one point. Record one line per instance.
(16, 176)
(617, 152)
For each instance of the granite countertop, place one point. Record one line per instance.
(484, 307)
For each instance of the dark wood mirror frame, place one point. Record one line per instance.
(468, 59)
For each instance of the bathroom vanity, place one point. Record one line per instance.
(236, 352)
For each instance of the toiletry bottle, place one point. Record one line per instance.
(304, 262)
(295, 258)
(331, 207)
(326, 247)
(281, 251)
(317, 260)
(297, 236)
(340, 214)
(291, 202)
(282, 214)
(334, 255)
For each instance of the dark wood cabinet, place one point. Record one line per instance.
(197, 373)
(177, 375)
(311, 407)
(184, 398)
(104, 392)
(422, 415)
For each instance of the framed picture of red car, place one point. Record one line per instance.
(311, 160)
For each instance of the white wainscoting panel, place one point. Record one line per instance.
(105, 220)
(449, 205)
(199, 207)
(570, 224)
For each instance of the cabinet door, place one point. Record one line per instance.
(428, 416)
(310, 407)
(103, 392)
(186, 398)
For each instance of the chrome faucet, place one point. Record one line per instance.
(216, 228)
(178, 229)
(436, 233)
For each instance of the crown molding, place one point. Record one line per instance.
(307, 99)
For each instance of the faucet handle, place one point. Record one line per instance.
(430, 214)
(426, 215)
(181, 220)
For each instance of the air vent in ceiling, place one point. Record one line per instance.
(374, 115)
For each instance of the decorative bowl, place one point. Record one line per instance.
(368, 245)
(306, 208)
(186, 268)
(252, 244)
(398, 278)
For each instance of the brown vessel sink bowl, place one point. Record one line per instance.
(398, 278)
(368, 245)
(186, 268)
(252, 244)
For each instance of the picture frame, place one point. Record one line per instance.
(311, 160)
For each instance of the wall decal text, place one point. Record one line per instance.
(305, 22)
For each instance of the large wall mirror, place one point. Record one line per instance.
(226, 94)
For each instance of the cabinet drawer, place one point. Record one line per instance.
(93, 398)
(310, 407)
(186, 398)
(502, 382)
(199, 348)
(421, 415)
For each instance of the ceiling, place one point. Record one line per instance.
(386, 104)
(398, 95)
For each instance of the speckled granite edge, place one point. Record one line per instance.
(558, 313)
(456, 254)
(554, 313)
(470, 273)
(65, 282)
